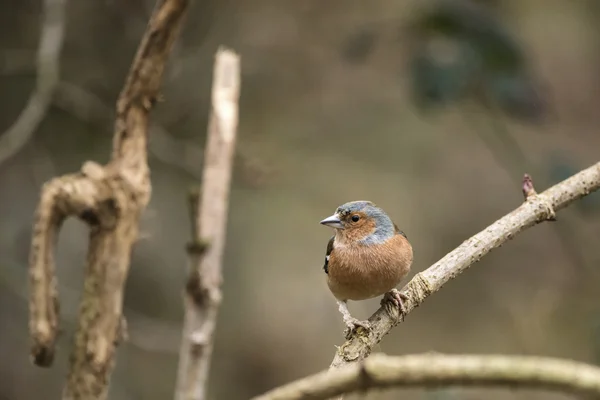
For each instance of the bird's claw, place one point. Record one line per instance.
(352, 324)
(393, 301)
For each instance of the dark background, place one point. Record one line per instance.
(431, 109)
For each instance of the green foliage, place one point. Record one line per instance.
(461, 50)
(437, 82)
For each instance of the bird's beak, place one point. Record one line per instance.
(333, 222)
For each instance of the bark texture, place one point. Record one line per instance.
(110, 199)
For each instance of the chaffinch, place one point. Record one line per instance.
(367, 257)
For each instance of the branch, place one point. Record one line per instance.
(209, 220)
(110, 199)
(48, 63)
(536, 208)
(434, 370)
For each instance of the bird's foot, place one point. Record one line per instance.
(352, 324)
(393, 301)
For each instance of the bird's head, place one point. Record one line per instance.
(360, 221)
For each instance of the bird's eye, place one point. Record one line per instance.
(355, 218)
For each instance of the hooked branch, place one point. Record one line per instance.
(110, 199)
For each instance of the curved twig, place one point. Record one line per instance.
(433, 370)
(536, 208)
(48, 63)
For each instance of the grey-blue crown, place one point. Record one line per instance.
(365, 206)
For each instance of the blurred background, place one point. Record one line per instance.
(431, 109)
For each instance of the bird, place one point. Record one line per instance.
(368, 256)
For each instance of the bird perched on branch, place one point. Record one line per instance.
(367, 257)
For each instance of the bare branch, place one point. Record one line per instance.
(433, 370)
(110, 199)
(203, 291)
(48, 63)
(536, 208)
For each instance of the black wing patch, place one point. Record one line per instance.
(327, 254)
(399, 232)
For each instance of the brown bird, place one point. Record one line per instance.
(367, 257)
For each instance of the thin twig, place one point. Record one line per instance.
(110, 199)
(47, 76)
(435, 370)
(536, 208)
(203, 290)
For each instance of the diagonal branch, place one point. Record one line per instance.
(536, 208)
(209, 221)
(48, 62)
(110, 199)
(434, 370)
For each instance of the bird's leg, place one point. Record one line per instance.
(350, 321)
(393, 303)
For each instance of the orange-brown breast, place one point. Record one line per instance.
(359, 272)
